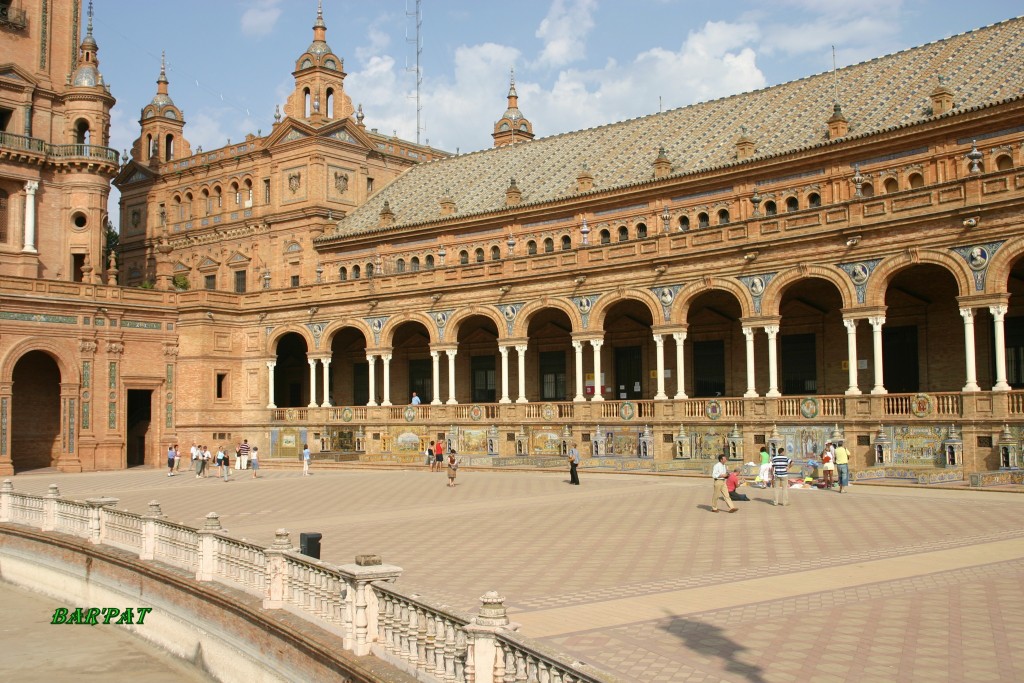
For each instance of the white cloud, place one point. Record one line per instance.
(564, 30)
(259, 20)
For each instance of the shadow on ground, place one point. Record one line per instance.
(711, 641)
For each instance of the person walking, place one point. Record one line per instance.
(207, 461)
(828, 464)
(439, 454)
(242, 455)
(177, 458)
(254, 460)
(719, 473)
(197, 461)
(780, 477)
(765, 472)
(305, 460)
(574, 462)
(842, 458)
(225, 462)
(453, 468)
(170, 460)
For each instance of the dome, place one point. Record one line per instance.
(86, 75)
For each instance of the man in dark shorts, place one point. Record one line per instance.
(439, 455)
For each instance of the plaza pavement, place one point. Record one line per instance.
(634, 574)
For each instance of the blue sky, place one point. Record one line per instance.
(578, 63)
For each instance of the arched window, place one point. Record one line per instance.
(179, 208)
(478, 255)
(370, 270)
(414, 264)
(150, 151)
(1004, 162)
(566, 243)
(531, 247)
(248, 193)
(463, 257)
(770, 209)
(330, 103)
(703, 220)
(890, 185)
(400, 265)
(723, 216)
(915, 180)
(169, 147)
(342, 273)
(684, 223)
(549, 245)
(792, 204)
(495, 253)
(238, 195)
(205, 194)
(355, 272)
(188, 204)
(307, 102)
(82, 132)
(430, 261)
(606, 237)
(218, 196)
(4, 221)
(623, 233)
(814, 200)
(641, 231)
(867, 189)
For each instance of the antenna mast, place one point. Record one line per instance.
(835, 77)
(418, 42)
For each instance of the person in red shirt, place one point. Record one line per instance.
(731, 482)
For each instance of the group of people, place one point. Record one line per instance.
(436, 460)
(246, 457)
(774, 473)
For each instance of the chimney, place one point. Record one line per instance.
(387, 216)
(942, 98)
(447, 203)
(837, 126)
(744, 145)
(584, 180)
(662, 166)
(512, 194)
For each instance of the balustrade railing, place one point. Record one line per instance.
(73, 151)
(1015, 403)
(923, 405)
(358, 602)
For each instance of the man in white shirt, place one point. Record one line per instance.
(719, 474)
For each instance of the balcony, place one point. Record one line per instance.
(23, 148)
(13, 17)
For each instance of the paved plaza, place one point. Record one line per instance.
(634, 574)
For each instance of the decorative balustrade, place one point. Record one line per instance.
(923, 405)
(1015, 403)
(24, 143)
(358, 602)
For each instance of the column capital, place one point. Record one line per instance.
(578, 345)
(850, 324)
(771, 330)
(748, 332)
(386, 357)
(659, 339)
(521, 348)
(435, 354)
(877, 322)
(503, 350)
(679, 336)
(998, 311)
(967, 314)
(31, 186)
(597, 343)
(271, 364)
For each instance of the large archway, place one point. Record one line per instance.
(35, 412)
(923, 336)
(1014, 328)
(477, 359)
(716, 360)
(411, 365)
(291, 373)
(812, 339)
(629, 350)
(349, 374)
(550, 352)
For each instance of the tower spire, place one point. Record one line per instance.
(512, 126)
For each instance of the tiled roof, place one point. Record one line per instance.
(981, 67)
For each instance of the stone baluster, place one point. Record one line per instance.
(510, 666)
(498, 673)
(208, 548)
(148, 550)
(461, 652)
(408, 643)
(421, 639)
(6, 493)
(439, 647)
(428, 646)
(277, 571)
(382, 620)
(96, 517)
(366, 621)
(50, 508)
(449, 652)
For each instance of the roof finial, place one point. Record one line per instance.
(88, 29)
(512, 82)
(319, 7)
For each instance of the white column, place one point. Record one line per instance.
(773, 361)
(578, 346)
(876, 339)
(327, 382)
(972, 373)
(434, 361)
(451, 376)
(521, 350)
(598, 384)
(372, 360)
(680, 338)
(386, 362)
(504, 375)
(270, 383)
(851, 356)
(659, 354)
(751, 392)
(30, 216)
(312, 383)
(998, 314)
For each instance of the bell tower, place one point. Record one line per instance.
(512, 127)
(162, 125)
(319, 96)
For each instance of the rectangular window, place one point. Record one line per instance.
(240, 281)
(360, 384)
(421, 379)
(295, 280)
(77, 262)
(210, 282)
(483, 379)
(369, 186)
(708, 368)
(266, 190)
(5, 115)
(1014, 333)
(222, 385)
(552, 375)
(798, 353)
(4, 209)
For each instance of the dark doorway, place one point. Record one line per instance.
(360, 384)
(291, 374)
(35, 412)
(552, 375)
(799, 364)
(1014, 352)
(708, 368)
(140, 411)
(628, 373)
(483, 379)
(421, 380)
(899, 359)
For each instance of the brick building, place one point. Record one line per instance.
(772, 267)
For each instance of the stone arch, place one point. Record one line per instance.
(388, 333)
(1001, 264)
(878, 283)
(460, 316)
(65, 359)
(689, 292)
(597, 315)
(775, 289)
(336, 326)
(279, 332)
(522, 324)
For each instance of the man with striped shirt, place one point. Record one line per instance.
(780, 482)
